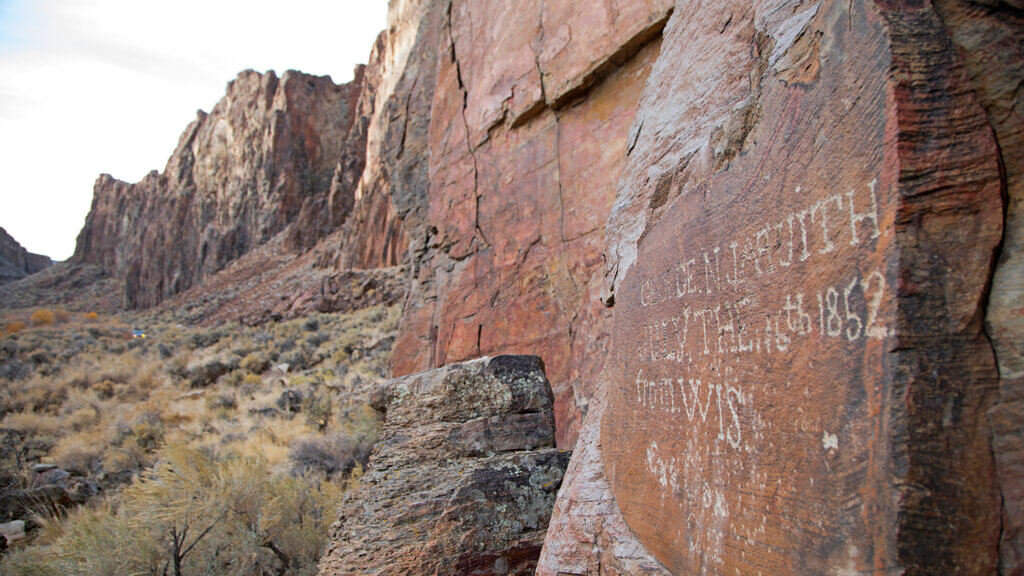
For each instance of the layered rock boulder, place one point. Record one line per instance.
(16, 262)
(462, 479)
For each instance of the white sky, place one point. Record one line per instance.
(94, 86)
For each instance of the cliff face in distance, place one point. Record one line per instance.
(239, 176)
(16, 262)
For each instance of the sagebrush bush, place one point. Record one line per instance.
(14, 328)
(318, 409)
(43, 317)
(334, 455)
(256, 363)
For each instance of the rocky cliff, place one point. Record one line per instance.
(527, 128)
(769, 253)
(239, 176)
(807, 237)
(16, 262)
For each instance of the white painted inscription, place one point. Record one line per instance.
(683, 363)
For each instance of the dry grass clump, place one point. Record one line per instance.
(197, 513)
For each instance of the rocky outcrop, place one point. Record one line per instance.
(526, 131)
(271, 283)
(239, 176)
(463, 476)
(794, 208)
(16, 262)
(799, 258)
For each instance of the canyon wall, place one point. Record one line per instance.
(769, 253)
(238, 177)
(16, 262)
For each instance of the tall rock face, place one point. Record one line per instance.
(462, 480)
(990, 35)
(523, 140)
(816, 307)
(239, 176)
(16, 262)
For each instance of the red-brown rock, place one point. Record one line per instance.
(990, 35)
(508, 233)
(747, 426)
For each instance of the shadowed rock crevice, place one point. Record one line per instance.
(990, 36)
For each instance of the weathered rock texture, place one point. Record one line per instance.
(539, 164)
(990, 36)
(462, 479)
(526, 133)
(747, 426)
(16, 262)
(266, 153)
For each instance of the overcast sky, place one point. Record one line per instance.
(107, 86)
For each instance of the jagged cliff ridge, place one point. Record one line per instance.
(16, 262)
(239, 176)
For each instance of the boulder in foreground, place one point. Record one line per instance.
(463, 478)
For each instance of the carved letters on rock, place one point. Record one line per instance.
(800, 377)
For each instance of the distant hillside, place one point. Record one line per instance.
(16, 262)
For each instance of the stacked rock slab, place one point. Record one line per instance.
(462, 479)
(800, 255)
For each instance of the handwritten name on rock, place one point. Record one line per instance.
(713, 306)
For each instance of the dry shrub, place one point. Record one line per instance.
(32, 423)
(83, 418)
(256, 363)
(61, 316)
(90, 317)
(43, 317)
(334, 455)
(14, 328)
(39, 395)
(83, 451)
